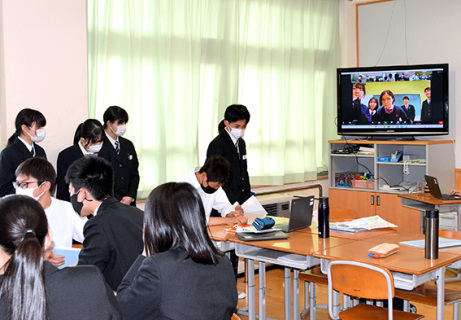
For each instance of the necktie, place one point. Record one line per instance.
(32, 152)
(117, 147)
(237, 147)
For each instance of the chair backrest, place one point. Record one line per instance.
(361, 280)
(450, 234)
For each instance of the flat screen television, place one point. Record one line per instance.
(392, 101)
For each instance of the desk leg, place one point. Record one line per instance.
(262, 290)
(251, 290)
(458, 211)
(287, 294)
(440, 274)
(295, 294)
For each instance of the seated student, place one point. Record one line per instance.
(113, 237)
(22, 145)
(371, 115)
(208, 181)
(88, 140)
(36, 178)
(120, 152)
(181, 274)
(31, 288)
(390, 113)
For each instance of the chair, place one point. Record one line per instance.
(311, 278)
(362, 280)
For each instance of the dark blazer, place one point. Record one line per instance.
(65, 158)
(113, 240)
(125, 167)
(10, 158)
(426, 112)
(239, 189)
(410, 112)
(75, 293)
(169, 285)
(393, 117)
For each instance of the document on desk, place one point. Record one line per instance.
(70, 255)
(443, 243)
(362, 224)
(253, 206)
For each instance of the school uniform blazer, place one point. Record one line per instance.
(125, 167)
(239, 189)
(113, 240)
(65, 158)
(10, 158)
(169, 285)
(426, 111)
(75, 293)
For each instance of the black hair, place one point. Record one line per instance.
(217, 169)
(236, 112)
(91, 130)
(389, 93)
(406, 98)
(114, 113)
(23, 227)
(40, 169)
(221, 126)
(173, 217)
(428, 88)
(94, 174)
(27, 117)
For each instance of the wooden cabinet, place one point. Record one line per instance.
(431, 157)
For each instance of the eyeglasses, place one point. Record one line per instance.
(24, 184)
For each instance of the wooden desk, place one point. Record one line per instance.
(424, 201)
(409, 265)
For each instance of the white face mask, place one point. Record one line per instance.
(40, 135)
(120, 130)
(94, 148)
(237, 133)
(29, 192)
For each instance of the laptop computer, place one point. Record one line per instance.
(434, 189)
(300, 215)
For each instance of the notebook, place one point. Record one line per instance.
(434, 189)
(300, 215)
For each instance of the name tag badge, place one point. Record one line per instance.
(244, 157)
(130, 157)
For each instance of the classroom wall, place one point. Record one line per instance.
(410, 32)
(43, 65)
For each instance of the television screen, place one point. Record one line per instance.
(393, 100)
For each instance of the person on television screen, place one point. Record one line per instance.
(391, 113)
(426, 107)
(371, 114)
(409, 109)
(358, 108)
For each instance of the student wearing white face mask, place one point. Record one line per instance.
(36, 178)
(22, 145)
(230, 144)
(120, 152)
(87, 141)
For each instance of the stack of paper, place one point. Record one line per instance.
(362, 224)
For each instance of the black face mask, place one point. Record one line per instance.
(76, 205)
(208, 189)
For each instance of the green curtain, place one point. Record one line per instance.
(175, 65)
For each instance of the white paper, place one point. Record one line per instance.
(367, 223)
(252, 205)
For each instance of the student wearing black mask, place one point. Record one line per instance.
(208, 181)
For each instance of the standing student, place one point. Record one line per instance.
(426, 107)
(181, 274)
(409, 109)
(88, 141)
(36, 178)
(230, 144)
(31, 288)
(120, 152)
(113, 237)
(22, 145)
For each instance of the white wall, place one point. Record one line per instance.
(412, 32)
(43, 65)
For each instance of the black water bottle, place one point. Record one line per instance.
(324, 218)
(432, 234)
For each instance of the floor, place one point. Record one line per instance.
(275, 298)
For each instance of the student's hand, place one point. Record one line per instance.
(456, 192)
(237, 219)
(127, 200)
(54, 259)
(239, 208)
